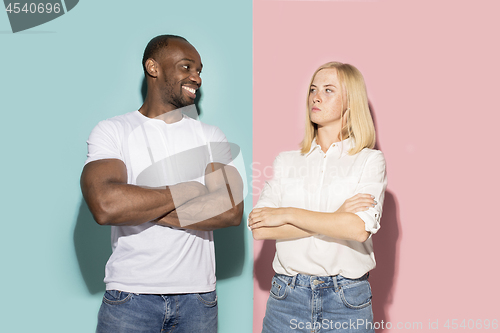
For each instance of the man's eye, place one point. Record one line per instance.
(328, 90)
(185, 67)
(199, 72)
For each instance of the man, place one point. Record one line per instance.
(160, 179)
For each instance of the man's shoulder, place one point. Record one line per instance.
(209, 130)
(116, 123)
(122, 118)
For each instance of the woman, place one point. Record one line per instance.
(322, 206)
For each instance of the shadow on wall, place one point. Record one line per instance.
(92, 247)
(386, 248)
(263, 265)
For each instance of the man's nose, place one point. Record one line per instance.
(195, 77)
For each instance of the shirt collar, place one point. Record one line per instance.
(343, 146)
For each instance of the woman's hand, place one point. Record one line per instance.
(268, 217)
(358, 203)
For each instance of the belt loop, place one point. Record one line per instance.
(292, 284)
(335, 284)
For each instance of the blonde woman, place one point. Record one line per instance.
(322, 206)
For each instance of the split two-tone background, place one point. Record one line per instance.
(432, 74)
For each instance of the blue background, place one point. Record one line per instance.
(57, 81)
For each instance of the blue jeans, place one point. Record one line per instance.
(305, 303)
(123, 312)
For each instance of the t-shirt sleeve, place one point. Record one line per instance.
(103, 143)
(373, 181)
(221, 151)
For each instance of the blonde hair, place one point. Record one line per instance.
(358, 120)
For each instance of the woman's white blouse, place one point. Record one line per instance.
(321, 182)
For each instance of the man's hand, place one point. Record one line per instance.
(221, 207)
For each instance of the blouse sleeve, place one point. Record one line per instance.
(373, 181)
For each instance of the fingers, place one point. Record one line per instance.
(254, 222)
(359, 202)
(253, 218)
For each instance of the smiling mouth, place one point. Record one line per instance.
(191, 91)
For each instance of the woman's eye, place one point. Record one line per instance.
(328, 90)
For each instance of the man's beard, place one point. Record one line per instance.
(176, 99)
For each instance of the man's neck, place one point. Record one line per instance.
(157, 110)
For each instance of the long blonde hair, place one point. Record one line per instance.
(358, 120)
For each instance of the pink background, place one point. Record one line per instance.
(432, 70)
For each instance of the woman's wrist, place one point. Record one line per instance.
(291, 213)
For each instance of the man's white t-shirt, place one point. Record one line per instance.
(149, 258)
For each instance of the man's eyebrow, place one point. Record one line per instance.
(190, 60)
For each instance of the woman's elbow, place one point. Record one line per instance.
(258, 234)
(363, 236)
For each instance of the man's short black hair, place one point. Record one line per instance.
(154, 47)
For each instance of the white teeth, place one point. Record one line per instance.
(191, 90)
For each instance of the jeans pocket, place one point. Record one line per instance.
(279, 289)
(115, 297)
(208, 299)
(356, 295)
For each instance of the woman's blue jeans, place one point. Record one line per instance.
(123, 312)
(305, 303)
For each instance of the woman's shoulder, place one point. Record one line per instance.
(288, 158)
(289, 154)
(373, 155)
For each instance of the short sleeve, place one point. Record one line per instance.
(103, 143)
(221, 150)
(373, 181)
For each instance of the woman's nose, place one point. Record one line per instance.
(316, 98)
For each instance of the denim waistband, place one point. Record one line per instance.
(316, 282)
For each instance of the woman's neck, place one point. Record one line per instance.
(326, 137)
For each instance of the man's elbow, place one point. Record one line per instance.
(235, 214)
(102, 213)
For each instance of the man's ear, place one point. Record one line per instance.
(151, 67)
